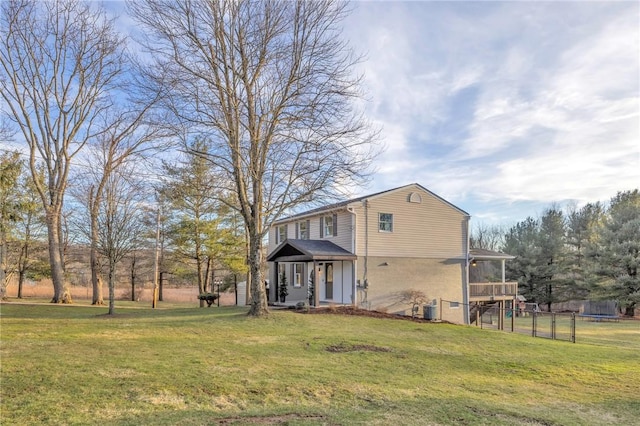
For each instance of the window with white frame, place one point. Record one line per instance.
(298, 274)
(385, 222)
(328, 226)
(303, 230)
(281, 233)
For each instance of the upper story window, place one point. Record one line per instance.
(302, 230)
(281, 233)
(328, 226)
(385, 222)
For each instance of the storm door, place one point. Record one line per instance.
(329, 281)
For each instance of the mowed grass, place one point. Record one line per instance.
(190, 366)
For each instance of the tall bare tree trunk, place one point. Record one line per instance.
(3, 264)
(259, 306)
(61, 291)
(112, 285)
(133, 279)
(22, 267)
(20, 283)
(96, 281)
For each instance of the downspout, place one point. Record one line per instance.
(366, 242)
(354, 263)
(465, 293)
(342, 282)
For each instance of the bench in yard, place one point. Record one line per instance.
(210, 298)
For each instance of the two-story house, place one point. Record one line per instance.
(371, 250)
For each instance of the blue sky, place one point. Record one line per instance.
(503, 108)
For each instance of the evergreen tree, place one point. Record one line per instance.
(584, 228)
(203, 230)
(551, 263)
(619, 254)
(10, 170)
(522, 241)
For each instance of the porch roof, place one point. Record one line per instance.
(308, 250)
(484, 254)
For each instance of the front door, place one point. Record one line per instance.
(329, 281)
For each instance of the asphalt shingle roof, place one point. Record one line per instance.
(310, 250)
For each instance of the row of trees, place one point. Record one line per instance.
(265, 89)
(198, 233)
(590, 252)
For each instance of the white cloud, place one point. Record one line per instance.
(536, 102)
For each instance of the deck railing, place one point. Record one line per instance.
(493, 289)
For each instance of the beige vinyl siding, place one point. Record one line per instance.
(430, 229)
(436, 278)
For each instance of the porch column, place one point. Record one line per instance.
(354, 289)
(274, 284)
(503, 273)
(316, 285)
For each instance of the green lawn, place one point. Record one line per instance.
(190, 366)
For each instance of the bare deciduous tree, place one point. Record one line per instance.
(415, 298)
(6, 131)
(120, 223)
(489, 237)
(59, 60)
(271, 85)
(124, 142)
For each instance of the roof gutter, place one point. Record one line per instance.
(297, 217)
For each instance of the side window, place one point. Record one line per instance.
(303, 230)
(281, 233)
(328, 226)
(385, 222)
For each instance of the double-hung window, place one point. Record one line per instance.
(385, 222)
(281, 233)
(328, 226)
(302, 230)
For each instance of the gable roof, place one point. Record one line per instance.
(344, 204)
(306, 250)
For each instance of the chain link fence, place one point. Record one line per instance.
(565, 326)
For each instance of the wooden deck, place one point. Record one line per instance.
(492, 291)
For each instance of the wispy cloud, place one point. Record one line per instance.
(505, 102)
